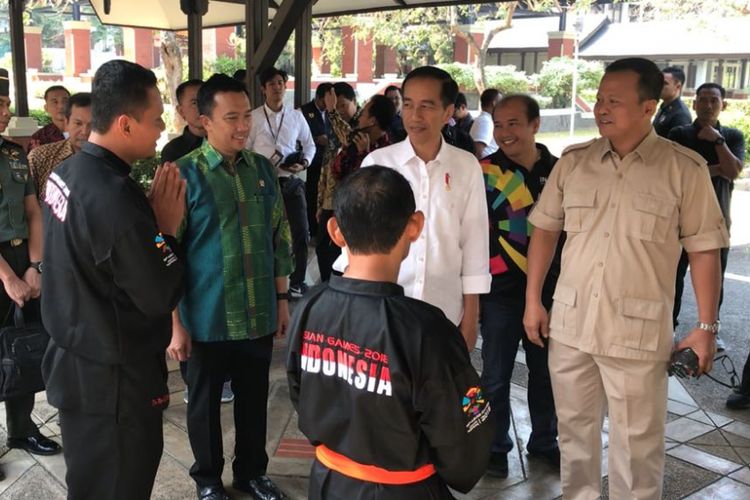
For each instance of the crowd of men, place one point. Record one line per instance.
(430, 227)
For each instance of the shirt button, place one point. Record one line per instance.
(600, 264)
(619, 176)
(606, 235)
(421, 259)
(596, 295)
(612, 205)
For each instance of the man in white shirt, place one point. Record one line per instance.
(483, 127)
(448, 265)
(282, 135)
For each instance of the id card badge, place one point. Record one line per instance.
(276, 158)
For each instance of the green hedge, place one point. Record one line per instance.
(143, 171)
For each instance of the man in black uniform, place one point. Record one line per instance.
(320, 127)
(382, 383)
(20, 267)
(193, 133)
(672, 112)
(723, 148)
(112, 277)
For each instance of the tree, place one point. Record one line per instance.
(171, 57)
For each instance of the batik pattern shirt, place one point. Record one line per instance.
(45, 158)
(237, 241)
(45, 135)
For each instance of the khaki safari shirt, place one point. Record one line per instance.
(626, 220)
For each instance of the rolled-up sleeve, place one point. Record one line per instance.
(702, 225)
(474, 240)
(548, 213)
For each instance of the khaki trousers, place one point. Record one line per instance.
(635, 391)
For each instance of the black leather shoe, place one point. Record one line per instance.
(2, 474)
(38, 445)
(262, 488)
(215, 492)
(738, 401)
(551, 456)
(498, 466)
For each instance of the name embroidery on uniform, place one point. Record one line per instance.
(362, 368)
(476, 408)
(56, 196)
(169, 256)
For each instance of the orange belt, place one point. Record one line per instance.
(371, 473)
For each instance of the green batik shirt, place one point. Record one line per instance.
(236, 240)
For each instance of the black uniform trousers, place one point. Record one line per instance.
(293, 191)
(247, 362)
(327, 484)
(679, 287)
(18, 409)
(326, 250)
(311, 196)
(116, 456)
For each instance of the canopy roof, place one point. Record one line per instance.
(166, 14)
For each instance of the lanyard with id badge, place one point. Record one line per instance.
(276, 158)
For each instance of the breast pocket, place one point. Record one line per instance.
(638, 323)
(652, 217)
(579, 207)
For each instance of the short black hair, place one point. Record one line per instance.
(448, 86)
(181, 88)
(346, 90)
(532, 106)
(55, 88)
(120, 88)
(488, 97)
(710, 85)
(240, 75)
(461, 100)
(383, 110)
(219, 82)
(391, 88)
(79, 100)
(322, 90)
(676, 73)
(650, 77)
(268, 74)
(372, 207)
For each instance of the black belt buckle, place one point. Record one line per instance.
(16, 242)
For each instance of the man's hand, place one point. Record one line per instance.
(167, 197)
(17, 289)
(536, 323)
(704, 345)
(708, 133)
(181, 346)
(282, 319)
(362, 141)
(32, 278)
(330, 99)
(321, 140)
(294, 168)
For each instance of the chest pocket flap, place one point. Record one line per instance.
(579, 207)
(654, 205)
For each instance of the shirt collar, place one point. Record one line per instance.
(498, 158)
(214, 158)
(644, 150)
(272, 112)
(407, 150)
(117, 163)
(363, 287)
(697, 126)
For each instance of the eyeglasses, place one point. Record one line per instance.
(728, 365)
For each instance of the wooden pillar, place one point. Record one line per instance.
(303, 57)
(256, 25)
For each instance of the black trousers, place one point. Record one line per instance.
(293, 191)
(327, 484)
(247, 362)
(115, 457)
(326, 250)
(18, 409)
(679, 286)
(311, 196)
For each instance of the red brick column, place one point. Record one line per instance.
(460, 50)
(223, 47)
(561, 43)
(365, 60)
(348, 56)
(33, 39)
(77, 47)
(139, 46)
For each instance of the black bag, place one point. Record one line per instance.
(21, 351)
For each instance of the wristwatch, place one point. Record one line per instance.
(709, 327)
(719, 141)
(37, 266)
(282, 296)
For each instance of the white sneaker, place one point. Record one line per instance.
(720, 345)
(227, 396)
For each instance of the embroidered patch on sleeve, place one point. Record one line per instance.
(56, 196)
(475, 407)
(169, 257)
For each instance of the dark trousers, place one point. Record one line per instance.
(502, 329)
(247, 362)
(311, 197)
(116, 456)
(327, 484)
(293, 190)
(18, 409)
(326, 250)
(679, 286)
